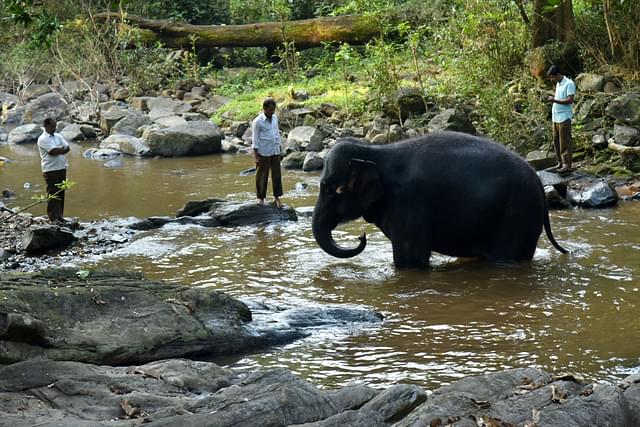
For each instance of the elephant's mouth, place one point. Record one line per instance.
(322, 233)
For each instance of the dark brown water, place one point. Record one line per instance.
(576, 313)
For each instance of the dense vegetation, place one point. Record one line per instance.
(475, 53)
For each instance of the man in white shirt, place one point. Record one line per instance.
(267, 148)
(562, 113)
(53, 147)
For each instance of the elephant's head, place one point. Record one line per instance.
(350, 186)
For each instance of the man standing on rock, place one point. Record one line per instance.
(53, 147)
(267, 147)
(562, 113)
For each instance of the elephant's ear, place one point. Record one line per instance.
(365, 182)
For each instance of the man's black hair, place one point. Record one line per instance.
(554, 70)
(49, 121)
(268, 103)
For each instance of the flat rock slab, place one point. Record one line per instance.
(184, 393)
(121, 318)
(529, 397)
(219, 213)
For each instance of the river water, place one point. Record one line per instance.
(573, 313)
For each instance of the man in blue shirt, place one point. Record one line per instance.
(561, 114)
(267, 147)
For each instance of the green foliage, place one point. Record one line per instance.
(248, 92)
(345, 59)
(21, 64)
(193, 11)
(246, 12)
(43, 25)
(365, 7)
(382, 70)
(599, 49)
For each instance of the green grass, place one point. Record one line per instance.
(246, 104)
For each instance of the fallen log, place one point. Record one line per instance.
(352, 29)
(622, 149)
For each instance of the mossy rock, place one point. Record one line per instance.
(564, 55)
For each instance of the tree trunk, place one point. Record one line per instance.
(304, 33)
(552, 23)
(614, 40)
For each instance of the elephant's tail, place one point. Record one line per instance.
(547, 229)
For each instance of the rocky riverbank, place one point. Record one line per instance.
(176, 123)
(110, 350)
(184, 393)
(29, 243)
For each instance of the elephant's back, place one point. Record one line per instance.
(458, 156)
(455, 145)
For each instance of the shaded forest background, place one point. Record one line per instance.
(489, 55)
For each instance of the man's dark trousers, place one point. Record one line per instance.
(55, 206)
(265, 164)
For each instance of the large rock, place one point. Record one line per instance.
(101, 154)
(140, 103)
(593, 195)
(528, 397)
(541, 159)
(111, 116)
(294, 160)
(185, 393)
(313, 162)
(130, 123)
(44, 238)
(114, 319)
(170, 121)
(13, 116)
(197, 207)
(49, 105)
(172, 393)
(211, 105)
(193, 138)
(590, 110)
(127, 144)
(452, 119)
(395, 133)
(7, 98)
(73, 132)
(25, 134)
(554, 199)
(240, 214)
(378, 131)
(406, 102)
(165, 107)
(220, 213)
(33, 91)
(308, 138)
(589, 82)
(239, 128)
(626, 109)
(626, 135)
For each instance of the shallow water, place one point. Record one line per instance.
(575, 313)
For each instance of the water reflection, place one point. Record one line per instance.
(574, 312)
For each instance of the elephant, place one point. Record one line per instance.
(454, 193)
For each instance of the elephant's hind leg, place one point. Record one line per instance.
(513, 243)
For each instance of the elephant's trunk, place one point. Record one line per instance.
(322, 233)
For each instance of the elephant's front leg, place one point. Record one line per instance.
(410, 253)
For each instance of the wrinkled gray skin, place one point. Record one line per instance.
(449, 192)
